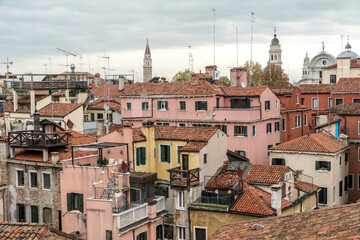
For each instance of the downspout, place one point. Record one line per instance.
(133, 234)
(189, 223)
(3, 199)
(302, 124)
(260, 110)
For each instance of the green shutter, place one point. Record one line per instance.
(247, 103)
(143, 156)
(138, 156)
(166, 105)
(205, 106)
(34, 214)
(143, 106)
(232, 103)
(329, 166)
(317, 165)
(225, 129)
(325, 195)
(159, 105)
(245, 130)
(81, 198)
(196, 105)
(162, 153)
(69, 202)
(168, 153)
(236, 130)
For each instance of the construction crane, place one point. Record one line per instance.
(8, 63)
(67, 54)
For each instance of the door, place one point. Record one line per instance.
(185, 162)
(200, 234)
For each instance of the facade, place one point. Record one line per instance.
(263, 191)
(316, 96)
(322, 157)
(275, 51)
(147, 68)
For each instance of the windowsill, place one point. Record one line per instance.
(145, 109)
(46, 189)
(268, 133)
(182, 110)
(324, 171)
(240, 136)
(267, 110)
(162, 110)
(20, 186)
(33, 188)
(164, 162)
(75, 211)
(128, 109)
(201, 110)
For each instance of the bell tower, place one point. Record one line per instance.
(275, 51)
(147, 67)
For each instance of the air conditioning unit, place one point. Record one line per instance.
(215, 75)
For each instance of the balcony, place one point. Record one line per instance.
(160, 203)
(51, 85)
(184, 178)
(132, 215)
(38, 139)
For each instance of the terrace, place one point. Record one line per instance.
(184, 178)
(38, 139)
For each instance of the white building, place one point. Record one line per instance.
(275, 51)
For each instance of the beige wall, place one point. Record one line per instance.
(43, 102)
(322, 178)
(343, 70)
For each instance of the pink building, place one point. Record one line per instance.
(250, 116)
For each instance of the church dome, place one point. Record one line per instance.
(347, 53)
(275, 41)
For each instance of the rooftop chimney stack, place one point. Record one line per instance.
(100, 128)
(36, 121)
(121, 82)
(276, 198)
(97, 79)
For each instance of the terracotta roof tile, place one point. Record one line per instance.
(315, 88)
(113, 103)
(247, 91)
(306, 187)
(185, 133)
(255, 201)
(282, 90)
(347, 109)
(330, 223)
(223, 179)
(59, 109)
(316, 142)
(193, 147)
(347, 85)
(266, 174)
(138, 135)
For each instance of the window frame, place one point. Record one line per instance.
(356, 100)
(30, 179)
(162, 105)
(43, 181)
(18, 212)
(179, 105)
(268, 148)
(305, 119)
(138, 157)
(283, 124)
(75, 198)
(128, 105)
(340, 188)
(336, 100)
(181, 231)
(180, 200)
(201, 106)
(267, 105)
(254, 130)
(325, 197)
(268, 128)
(239, 132)
(277, 126)
(240, 152)
(332, 78)
(276, 104)
(352, 181)
(297, 121)
(31, 214)
(145, 106)
(100, 114)
(330, 102)
(205, 159)
(312, 102)
(200, 227)
(297, 99)
(319, 167)
(165, 162)
(17, 177)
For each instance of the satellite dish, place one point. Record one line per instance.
(106, 107)
(243, 84)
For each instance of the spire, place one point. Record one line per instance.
(274, 32)
(323, 45)
(348, 46)
(147, 49)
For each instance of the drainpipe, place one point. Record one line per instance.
(260, 110)
(3, 199)
(133, 234)
(189, 223)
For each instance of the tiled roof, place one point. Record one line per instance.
(330, 223)
(255, 201)
(282, 90)
(347, 109)
(266, 174)
(306, 187)
(185, 133)
(247, 91)
(223, 179)
(347, 85)
(315, 88)
(98, 104)
(138, 135)
(353, 64)
(59, 109)
(30, 231)
(26, 98)
(193, 147)
(316, 142)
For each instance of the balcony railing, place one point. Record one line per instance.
(184, 178)
(37, 139)
(131, 215)
(160, 203)
(51, 85)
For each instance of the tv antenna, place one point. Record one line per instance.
(7, 63)
(67, 54)
(214, 10)
(252, 32)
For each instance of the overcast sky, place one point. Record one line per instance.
(32, 30)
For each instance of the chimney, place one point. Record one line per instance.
(97, 79)
(100, 128)
(344, 139)
(15, 100)
(121, 82)
(276, 198)
(55, 157)
(36, 121)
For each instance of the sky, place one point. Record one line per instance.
(31, 32)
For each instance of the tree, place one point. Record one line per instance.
(274, 76)
(224, 80)
(257, 73)
(182, 76)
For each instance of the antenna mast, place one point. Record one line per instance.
(214, 10)
(7, 63)
(252, 32)
(67, 54)
(237, 48)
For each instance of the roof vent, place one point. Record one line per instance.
(194, 83)
(257, 226)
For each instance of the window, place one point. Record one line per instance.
(305, 120)
(267, 105)
(128, 106)
(297, 98)
(358, 182)
(240, 152)
(330, 100)
(110, 117)
(162, 190)
(268, 128)
(20, 212)
(181, 233)
(180, 199)
(240, 131)
(144, 106)
(332, 78)
(19, 178)
(302, 101)
(315, 103)
(201, 106)
(277, 126)
(165, 153)
(222, 128)
(34, 214)
(346, 183)
(346, 157)
(75, 202)
(297, 121)
(178, 147)
(276, 104)
(47, 215)
(338, 101)
(168, 231)
(323, 165)
(108, 235)
(92, 117)
(268, 147)
(217, 102)
(323, 195)
(1, 107)
(182, 125)
(200, 233)
(284, 124)
(33, 179)
(356, 100)
(140, 156)
(240, 103)
(46, 181)
(159, 232)
(351, 181)
(340, 188)
(182, 105)
(142, 236)
(100, 116)
(254, 130)
(278, 161)
(340, 162)
(162, 105)
(205, 158)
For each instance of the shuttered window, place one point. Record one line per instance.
(240, 131)
(75, 201)
(162, 105)
(323, 195)
(145, 106)
(323, 165)
(140, 156)
(201, 105)
(34, 214)
(165, 153)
